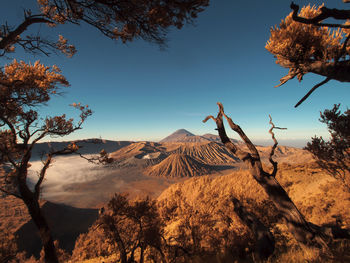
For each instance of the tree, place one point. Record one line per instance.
(214, 225)
(295, 221)
(304, 44)
(8, 247)
(126, 20)
(134, 227)
(334, 155)
(25, 87)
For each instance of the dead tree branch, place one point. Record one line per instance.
(293, 218)
(274, 163)
(311, 91)
(338, 14)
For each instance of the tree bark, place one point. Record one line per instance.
(110, 229)
(294, 220)
(39, 220)
(265, 242)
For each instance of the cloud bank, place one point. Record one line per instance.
(65, 171)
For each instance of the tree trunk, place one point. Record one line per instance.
(162, 256)
(295, 221)
(265, 242)
(112, 230)
(39, 220)
(293, 218)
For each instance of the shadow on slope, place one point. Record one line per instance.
(66, 223)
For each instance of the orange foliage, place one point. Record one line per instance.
(296, 43)
(127, 19)
(23, 88)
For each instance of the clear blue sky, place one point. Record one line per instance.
(138, 92)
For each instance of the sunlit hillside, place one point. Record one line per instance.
(200, 216)
(201, 192)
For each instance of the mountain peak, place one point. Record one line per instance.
(183, 132)
(177, 136)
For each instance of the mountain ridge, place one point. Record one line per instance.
(183, 135)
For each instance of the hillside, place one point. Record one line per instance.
(136, 149)
(285, 154)
(206, 202)
(216, 138)
(210, 153)
(313, 190)
(200, 215)
(66, 223)
(201, 202)
(179, 165)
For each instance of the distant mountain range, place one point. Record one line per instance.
(94, 145)
(176, 159)
(183, 135)
(88, 146)
(181, 154)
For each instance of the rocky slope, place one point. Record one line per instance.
(139, 154)
(210, 153)
(179, 165)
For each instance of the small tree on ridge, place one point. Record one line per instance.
(334, 155)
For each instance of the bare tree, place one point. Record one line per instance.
(293, 218)
(303, 43)
(320, 48)
(25, 87)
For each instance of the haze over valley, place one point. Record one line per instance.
(150, 131)
(140, 168)
(183, 167)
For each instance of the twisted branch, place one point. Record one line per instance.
(312, 90)
(325, 13)
(295, 221)
(274, 163)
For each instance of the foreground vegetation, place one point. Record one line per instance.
(206, 219)
(198, 221)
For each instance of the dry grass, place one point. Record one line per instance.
(322, 199)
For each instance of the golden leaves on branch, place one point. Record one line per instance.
(33, 75)
(296, 43)
(27, 85)
(24, 86)
(64, 47)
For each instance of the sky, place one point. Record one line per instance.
(139, 92)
